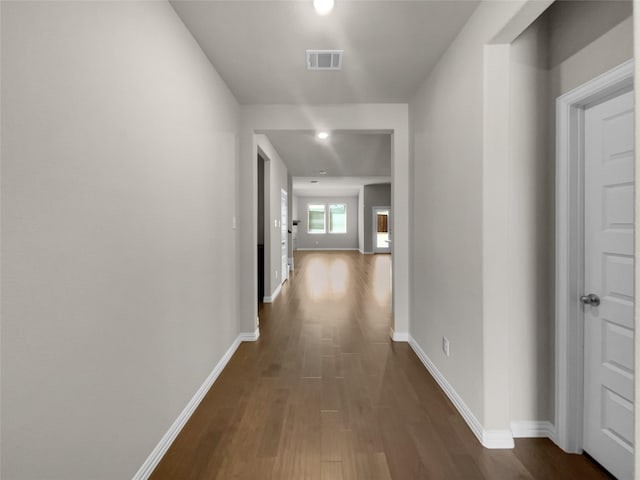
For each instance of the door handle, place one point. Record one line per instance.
(592, 299)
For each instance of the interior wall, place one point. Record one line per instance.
(602, 39)
(328, 240)
(446, 120)
(636, 42)
(118, 253)
(531, 185)
(453, 279)
(276, 181)
(378, 195)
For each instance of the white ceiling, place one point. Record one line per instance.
(344, 153)
(333, 186)
(258, 47)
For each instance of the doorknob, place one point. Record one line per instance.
(591, 299)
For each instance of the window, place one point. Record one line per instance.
(338, 218)
(316, 219)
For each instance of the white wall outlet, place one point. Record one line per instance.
(233, 222)
(275, 223)
(445, 346)
(276, 274)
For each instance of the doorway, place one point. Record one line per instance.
(381, 229)
(595, 271)
(260, 227)
(284, 235)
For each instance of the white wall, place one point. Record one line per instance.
(118, 256)
(374, 196)
(275, 181)
(347, 240)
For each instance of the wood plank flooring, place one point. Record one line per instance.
(325, 395)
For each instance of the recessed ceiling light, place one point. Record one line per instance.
(323, 135)
(323, 172)
(313, 181)
(323, 7)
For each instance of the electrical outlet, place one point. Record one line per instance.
(276, 274)
(445, 346)
(233, 222)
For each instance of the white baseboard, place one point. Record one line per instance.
(488, 438)
(250, 336)
(365, 253)
(318, 249)
(532, 429)
(273, 296)
(398, 336)
(161, 448)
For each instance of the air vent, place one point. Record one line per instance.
(324, 59)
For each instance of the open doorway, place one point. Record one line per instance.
(260, 227)
(381, 230)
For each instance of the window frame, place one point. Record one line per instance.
(346, 225)
(324, 219)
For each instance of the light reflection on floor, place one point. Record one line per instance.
(326, 278)
(382, 279)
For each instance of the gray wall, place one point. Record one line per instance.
(373, 196)
(530, 244)
(118, 254)
(347, 240)
(447, 279)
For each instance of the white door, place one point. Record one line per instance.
(381, 227)
(609, 330)
(284, 232)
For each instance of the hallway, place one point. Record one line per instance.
(324, 394)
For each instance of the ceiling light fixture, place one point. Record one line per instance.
(314, 181)
(323, 7)
(323, 172)
(323, 135)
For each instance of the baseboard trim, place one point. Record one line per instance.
(318, 249)
(488, 438)
(365, 253)
(532, 429)
(250, 336)
(161, 448)
(398, 336)
(273, 296)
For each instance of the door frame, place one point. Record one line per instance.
(284, 237)
(569, 247)
(374, 230)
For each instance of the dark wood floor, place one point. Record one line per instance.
(324, 394)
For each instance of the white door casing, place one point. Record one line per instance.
(609, 271)
(284, 233)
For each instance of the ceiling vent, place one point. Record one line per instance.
(324, 59)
